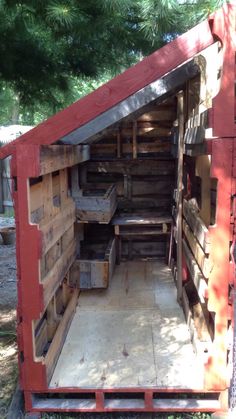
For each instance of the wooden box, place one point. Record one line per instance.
(97, 205)
(95, 267)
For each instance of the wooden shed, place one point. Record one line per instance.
(125, 218)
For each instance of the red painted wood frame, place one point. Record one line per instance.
(30, 298)
(25, 164)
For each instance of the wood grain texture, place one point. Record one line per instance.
(203, 262)
(52, 231)
(60, 335)
(57, 157)
(195, 273)
(97, 207)
(197, 226)
(125, 337)
(55, 276)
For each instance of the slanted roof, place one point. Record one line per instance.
(127, 92)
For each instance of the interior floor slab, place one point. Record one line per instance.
(131, 335)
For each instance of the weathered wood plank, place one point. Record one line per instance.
(141, 231)
(198, 227)
(95, 273)
(158, 202)
(52, 256)
(41, 339)
(200, 346)
(57, 273)
(97, 207)
(157, 146)
(52, 318)
(47, 196)
(135, 145)
(36, 197)
(63, 187)
(196, 275)
(194, 135)
(203, 262)
(162, 113)
(141, 247)
(52, 231)
(60, 335)
(138, 219)
(75, 185)
(99, 274)
(111, 255)
(203, 170)
(133, 167)
(152, 186)
(119, 144)
(180, 112)
(196, 150)
(67, 238)
(57, 157)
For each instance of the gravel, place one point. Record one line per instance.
(7, 222)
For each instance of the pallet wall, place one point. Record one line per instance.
(47, 298)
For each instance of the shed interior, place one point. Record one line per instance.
(110, 255)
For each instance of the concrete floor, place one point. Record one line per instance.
(131, 335)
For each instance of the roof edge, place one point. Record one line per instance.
(121, 87)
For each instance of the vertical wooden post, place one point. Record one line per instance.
(119, 144)
(75, 187)
(47, 194)
(1, 189)
(135, 149)
(52, 320)
(63, 175)
(180, 112)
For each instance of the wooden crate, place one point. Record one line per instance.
(96, 266)
(97, 205)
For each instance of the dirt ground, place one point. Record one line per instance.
(8, 349)
(8, 296)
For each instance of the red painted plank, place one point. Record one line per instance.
(223, 28)
(220, 235)
(30, 297)
(135, 78)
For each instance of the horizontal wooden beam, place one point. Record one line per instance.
(154, 91)
(140, 219)
(157, 146)
(162, 114)
(57, 157)
(137, 167)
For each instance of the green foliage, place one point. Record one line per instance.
(54, 51)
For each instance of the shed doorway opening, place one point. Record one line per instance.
(127, 330)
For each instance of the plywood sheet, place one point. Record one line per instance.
(130, 335)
